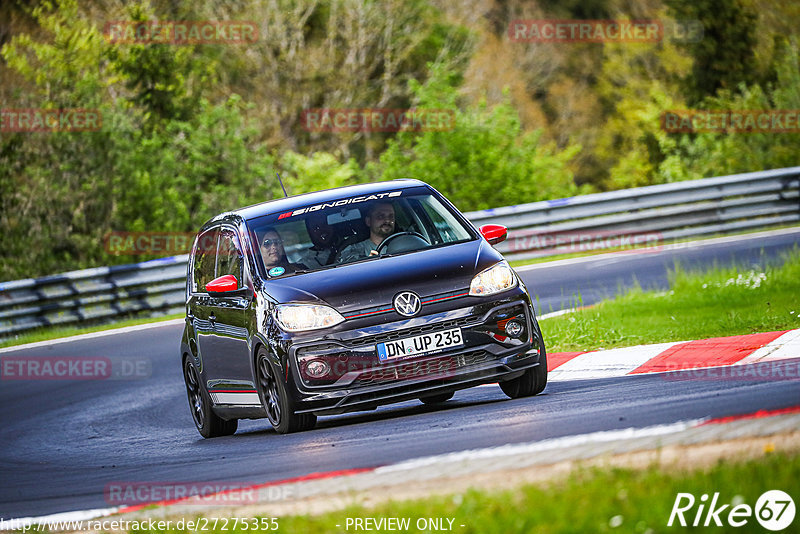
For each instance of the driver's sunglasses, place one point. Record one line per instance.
(269, 242)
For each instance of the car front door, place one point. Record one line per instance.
(229, 371)
(204, 261)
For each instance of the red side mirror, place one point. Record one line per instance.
(494, 233)
(223, 284)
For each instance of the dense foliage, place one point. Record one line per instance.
(194, 129)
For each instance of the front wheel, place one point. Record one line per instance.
(209, 424)
(276, 401)
(533, 381)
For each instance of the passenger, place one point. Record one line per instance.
(323, 251)
(274, 255)
(380, 221)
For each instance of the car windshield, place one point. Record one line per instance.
(356, 229)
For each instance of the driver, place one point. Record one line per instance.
(380, 221)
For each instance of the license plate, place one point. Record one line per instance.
(422, 344)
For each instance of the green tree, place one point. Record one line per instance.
(715, 154)
(636, 85)
(485, 160)
(164, 160)
(725, 57)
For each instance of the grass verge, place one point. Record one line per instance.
(46, 334)
(700, 304)
(590, 499)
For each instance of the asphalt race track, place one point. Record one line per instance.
(62, 442)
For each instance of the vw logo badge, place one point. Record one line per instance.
(407, 303)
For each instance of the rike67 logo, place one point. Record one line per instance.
(774, 510)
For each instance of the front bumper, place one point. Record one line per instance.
(359, 380)
(369, 397)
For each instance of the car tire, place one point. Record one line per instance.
(437, 399)
(276, 400)
(533, 381)
(209, 424)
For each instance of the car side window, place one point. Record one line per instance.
(229, 255)
(205, 257)
(446, 225)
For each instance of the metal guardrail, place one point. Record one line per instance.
(644, 215)
(648, 215)
(157, 286)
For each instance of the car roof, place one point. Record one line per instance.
(318, 197)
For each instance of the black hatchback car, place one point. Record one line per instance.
(347, 299)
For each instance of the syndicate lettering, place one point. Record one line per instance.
(340, 203)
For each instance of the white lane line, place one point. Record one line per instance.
(539, 446)
(657, 248)
(607, 363)
(782, 348)
(557, 313)
(93, 335)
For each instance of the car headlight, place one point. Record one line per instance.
(495, 279)
(300, 317)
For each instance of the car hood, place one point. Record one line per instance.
(375, 282)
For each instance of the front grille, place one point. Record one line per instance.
(426, 300)
(435, 368)
(410, 332)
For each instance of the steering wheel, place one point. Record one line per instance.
(416, 240)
